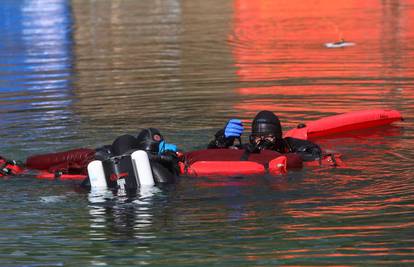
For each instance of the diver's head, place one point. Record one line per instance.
(149, 140)
(266, 130)
(266, 123)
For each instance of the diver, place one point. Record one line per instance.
(266, 134)
(162, 156)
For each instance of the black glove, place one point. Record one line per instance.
(306, 149)
(309, 152)
(168, 159)
(220, 140)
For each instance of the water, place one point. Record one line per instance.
(79, 73)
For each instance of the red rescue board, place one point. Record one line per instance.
(346, 122)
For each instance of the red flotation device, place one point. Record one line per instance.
(67, 165)
(227, 162)
(344, 122)
(224, 168)
(45, 175)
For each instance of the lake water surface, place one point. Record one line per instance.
(79, 73)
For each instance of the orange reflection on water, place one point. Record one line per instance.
(346, 254)
(303, 90)
(283, 109)
(284, 37)
(282, 43)
(357, 228)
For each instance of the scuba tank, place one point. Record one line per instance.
(119, 170)
(125, 173)
(119, 173)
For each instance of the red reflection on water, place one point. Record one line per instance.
(346, 254)
(250, 108)
(284, 41)
(302, 90)
(363, 227)
(223, 183)
(288, 33)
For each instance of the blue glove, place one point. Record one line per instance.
(163, 146)
(234, 128)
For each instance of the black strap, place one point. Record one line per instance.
(245, 155)
(249, 149)
(240, 141)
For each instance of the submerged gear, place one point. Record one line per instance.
(266, 123)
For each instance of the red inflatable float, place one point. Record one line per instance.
(346, 122)
(65, 166)
(227, 162)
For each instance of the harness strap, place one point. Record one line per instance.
(245, 155)
(249, 149)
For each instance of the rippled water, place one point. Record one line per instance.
(79, 73)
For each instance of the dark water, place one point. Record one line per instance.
(79, 73)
